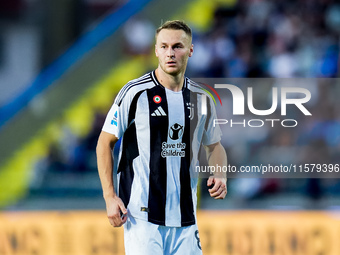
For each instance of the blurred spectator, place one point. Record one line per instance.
(139, 36)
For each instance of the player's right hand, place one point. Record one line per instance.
(116, 211)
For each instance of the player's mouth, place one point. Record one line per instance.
(171, 63)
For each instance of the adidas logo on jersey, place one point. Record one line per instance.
(159, 112)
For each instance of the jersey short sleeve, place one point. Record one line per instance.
(212, 133)
(116, 121)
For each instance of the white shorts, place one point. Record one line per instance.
(144, 238)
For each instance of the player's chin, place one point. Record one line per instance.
(172, 70)
(174, 73)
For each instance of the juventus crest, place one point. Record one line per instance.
(190, 106)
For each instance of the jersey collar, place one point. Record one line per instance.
(155, 80)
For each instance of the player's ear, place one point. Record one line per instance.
(191, 50)
(156, 52)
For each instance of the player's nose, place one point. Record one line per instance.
(170, 52)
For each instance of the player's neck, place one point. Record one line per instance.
(172, 82)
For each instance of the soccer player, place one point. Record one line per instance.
(161, 123)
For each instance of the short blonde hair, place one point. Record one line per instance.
(175, 25)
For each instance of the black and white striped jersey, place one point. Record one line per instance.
(161, 132)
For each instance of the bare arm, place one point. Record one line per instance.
(114, 205)
(216, 155)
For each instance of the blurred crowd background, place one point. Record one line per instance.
(242, 39)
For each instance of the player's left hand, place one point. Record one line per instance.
(218, 188)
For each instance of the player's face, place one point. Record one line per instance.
(173, 48)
